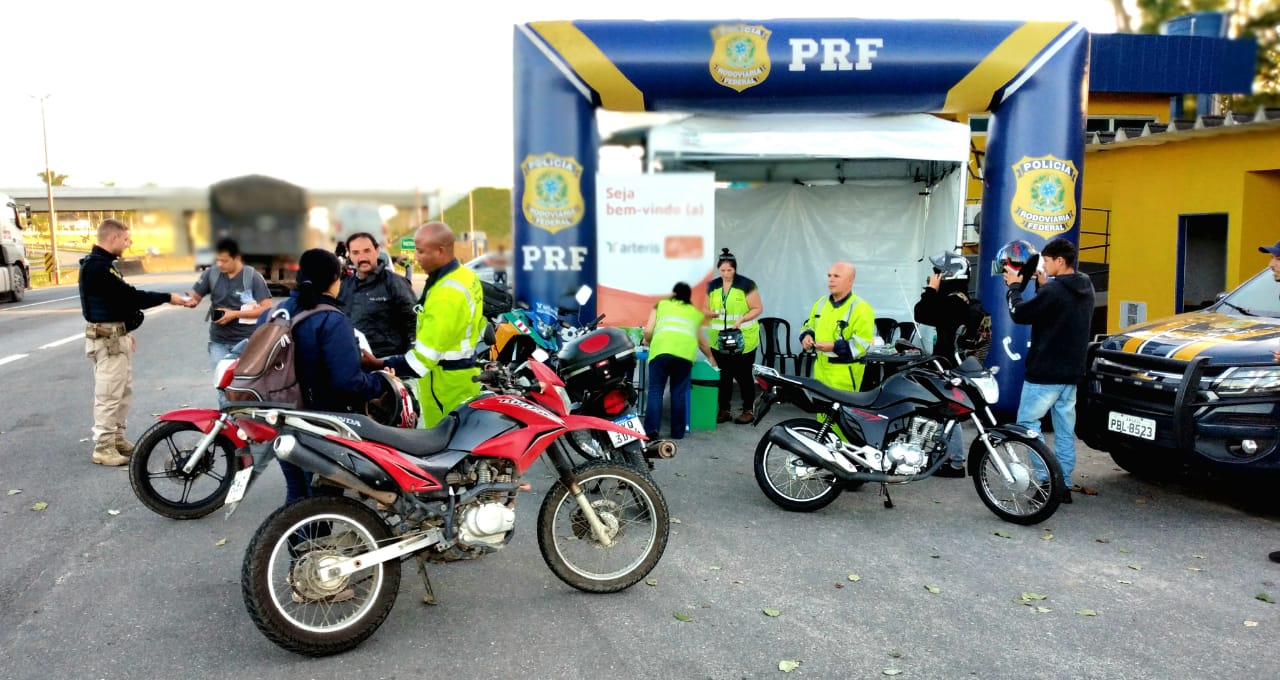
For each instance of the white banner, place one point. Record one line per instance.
(652, 231)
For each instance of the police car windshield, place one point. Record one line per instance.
(1259, 296)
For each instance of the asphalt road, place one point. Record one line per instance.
(1171, 570)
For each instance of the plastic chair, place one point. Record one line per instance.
(775, 343)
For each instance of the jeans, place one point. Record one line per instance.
(1060, 401)
(217, 352)
(662, 368)
(297, 484)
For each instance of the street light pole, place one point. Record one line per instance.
(54, 275)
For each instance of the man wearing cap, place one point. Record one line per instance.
(1274, 265)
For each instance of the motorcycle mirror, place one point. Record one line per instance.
(584, 293)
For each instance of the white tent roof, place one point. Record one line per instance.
(792, 135)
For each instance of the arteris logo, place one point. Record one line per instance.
(1044, 201)
(552, 192)
(740, 55)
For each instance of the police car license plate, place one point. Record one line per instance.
(1143, 428)
(238, 486)
(631, 423)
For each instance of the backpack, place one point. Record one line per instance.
(265, 370)
(973, 337)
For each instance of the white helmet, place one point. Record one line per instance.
(950, 264)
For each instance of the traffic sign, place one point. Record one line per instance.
(406, 243)
(48, 262)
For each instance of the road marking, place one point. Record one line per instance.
(34, 304)
(63, 341)
(12, 357)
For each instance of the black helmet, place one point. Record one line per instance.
(1013, 255)
(950, 264)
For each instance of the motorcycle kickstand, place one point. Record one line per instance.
(428, 597)
(884, 491)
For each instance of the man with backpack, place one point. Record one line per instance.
(237, 294)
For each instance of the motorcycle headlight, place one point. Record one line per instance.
(988, 388)
(1248, 380)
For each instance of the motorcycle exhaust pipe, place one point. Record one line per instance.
(808, 450)
(662, 448)
(286, 448)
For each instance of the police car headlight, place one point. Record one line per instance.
(988, 388)
(1248, 380)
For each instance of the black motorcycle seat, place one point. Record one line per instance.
(414, 442)
(860, 399)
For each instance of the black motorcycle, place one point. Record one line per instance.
(896, 433)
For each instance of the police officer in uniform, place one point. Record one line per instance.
(113, 310)
(450, 323)
(840, 328)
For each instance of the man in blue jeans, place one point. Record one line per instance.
(1059, 314)
(237, 294)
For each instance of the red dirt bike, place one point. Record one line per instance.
(320, 575)
(195, 460)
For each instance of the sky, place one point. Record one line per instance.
(391, 95)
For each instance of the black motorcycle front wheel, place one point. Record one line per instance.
(1032, 489)
(787, 480)
(288, 590)
(158, 477)
(634, 517)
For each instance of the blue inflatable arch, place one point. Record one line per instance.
(1031, 76)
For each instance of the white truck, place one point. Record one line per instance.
(15, 273)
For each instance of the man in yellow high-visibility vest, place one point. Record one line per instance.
(450, 323)
(840, 328)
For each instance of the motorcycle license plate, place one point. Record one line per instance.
(1143, 428)
(238, 486)
(631, 423)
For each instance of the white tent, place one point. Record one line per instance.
(803, 191)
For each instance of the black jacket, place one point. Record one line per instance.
(1059, 315)
(381, 307)
(105, 297)
(946, 309)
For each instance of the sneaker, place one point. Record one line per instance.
(950, 471)
(104, 453)
(723, 416)
(746, 417)
(340, 596)
(1066, 496)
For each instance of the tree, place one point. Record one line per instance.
(58, 180)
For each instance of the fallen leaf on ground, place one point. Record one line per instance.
(1250, 624)
(1001, 534)
(1047, 537)
(651, 582)
(1198, 557)
(1127, 583)
(714, 568)
(895, 654)
(770, 612)
(40, 505)
(839, 585)
(933, 589)
(681, 474)
(854, 577)
(1126, 550)
(1264, 597)
(1194, 569)
(1043, 610)
(1101, 540)
(1136, 567)
(1034, 596)
(14, 492)
(221, 541)
(1140, 501)
(681, 616)
(113, 513)
(1086, 612)
(676, 520)
(84, 440)
(892, 671)
(788, 665)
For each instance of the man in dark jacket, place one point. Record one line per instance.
(1059, 315)
(113, 310)
(944, 305)
(379, 301)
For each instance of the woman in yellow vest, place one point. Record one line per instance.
(735, 304)
(674, 333)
